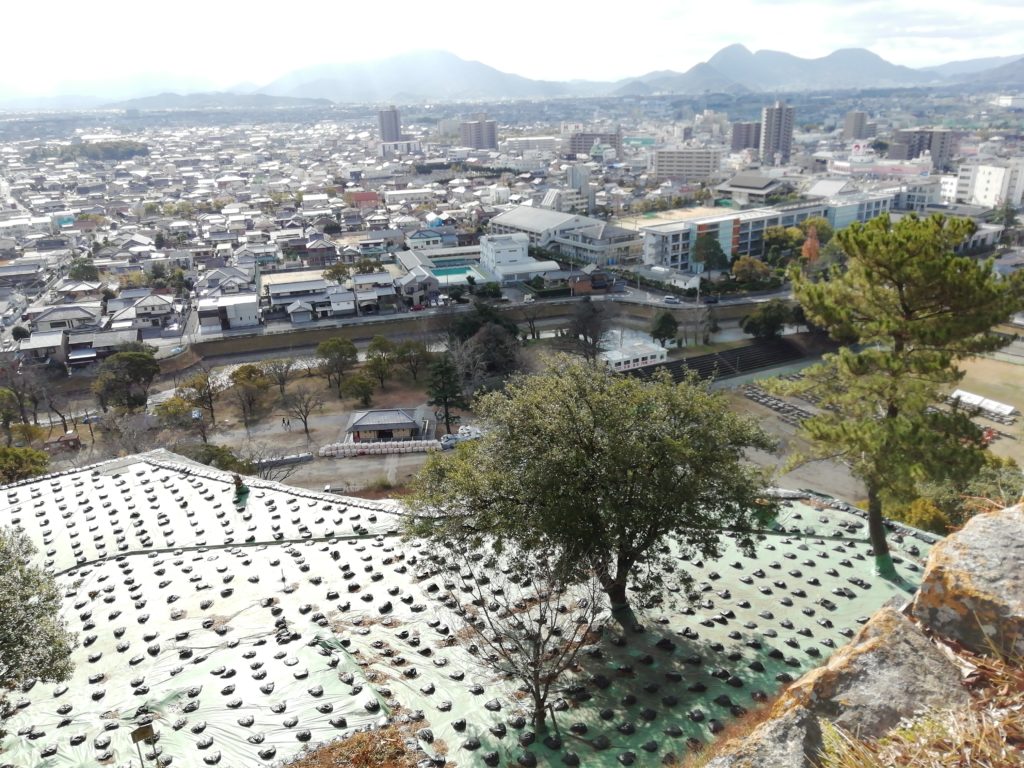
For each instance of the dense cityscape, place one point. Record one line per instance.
(414, 413)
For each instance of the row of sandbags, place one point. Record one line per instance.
(341, 450)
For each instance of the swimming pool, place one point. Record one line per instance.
(451, 271)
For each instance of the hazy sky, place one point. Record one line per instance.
(64, 47)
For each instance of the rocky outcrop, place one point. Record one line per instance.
(791, 740)
(973, 587)
(972, 591)
(888, 672)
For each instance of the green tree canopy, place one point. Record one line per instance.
(708, 251)
(83, 269)
(218, 456)
(915, 310)
(747, 269)
(34, 640)
(602, 470)
(820, 225)
(466, 325)
(359, 386)
(380, 358)
(664, 328)
(767, 320)
(21, 463)
(336, 356)
(124, 379)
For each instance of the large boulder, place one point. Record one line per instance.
(791, 740)
(888, 672)
(973, 587)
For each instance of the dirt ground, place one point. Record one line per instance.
(824, 476)
(385, 476)
(1002, 381)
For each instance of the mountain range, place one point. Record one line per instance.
(441, 76)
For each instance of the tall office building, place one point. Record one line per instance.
(746, 136)
(479, 134)
(910, 143)
(390, 123)
(855, 126)
(776, 133)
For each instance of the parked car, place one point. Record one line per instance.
(671, 300)
(710, 299)
(418, 307)
(448, 442)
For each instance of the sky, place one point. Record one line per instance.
(69, 48)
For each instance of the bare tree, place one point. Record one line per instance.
(301, 405)
(530, 314)
(526, 621)
(203, 389)
(588, 324)
(24, 385)
(125, 434)
(57, 402)
(265, 462)
(280, 372)
(470, 362)
(412, 355)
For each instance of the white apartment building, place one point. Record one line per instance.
(991, 183)
(948, 187)
(507, 257)
(687, 163)
(410, 196)
(531, 143)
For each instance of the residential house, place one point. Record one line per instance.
(21, 275)
(67, 317)
(386, 425)
(228, 311)
(263, 255)
(320, 252)
(423, 239)
(225, 281)
(43, 347)
(71, 291)
(86, 347)
(151, 310)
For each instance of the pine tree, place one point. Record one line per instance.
(445, 388)
(909, 310)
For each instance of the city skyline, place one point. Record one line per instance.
(214, 47)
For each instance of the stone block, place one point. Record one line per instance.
(973, 586)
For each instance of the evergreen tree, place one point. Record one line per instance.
(910, 310)
(445, 388)
(600, 471)
(664, 328)
(768, 320)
